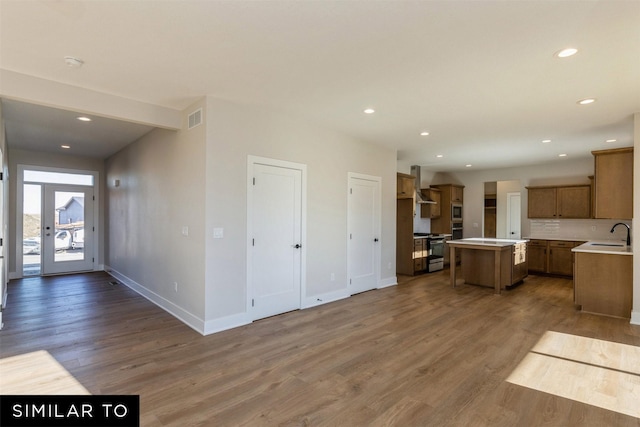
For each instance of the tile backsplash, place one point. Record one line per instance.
(583, 229)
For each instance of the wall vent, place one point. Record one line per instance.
(195, 118)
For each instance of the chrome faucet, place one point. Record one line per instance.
(628, 231)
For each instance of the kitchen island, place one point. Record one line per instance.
(497, 263)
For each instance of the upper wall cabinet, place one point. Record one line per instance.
(613, 183)
(406, 186)
(571, 201)
(431, 210)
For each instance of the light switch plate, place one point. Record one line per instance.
(218, 233)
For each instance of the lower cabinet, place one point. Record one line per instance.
(420, 253)
(551, 256)
(537, 254)
(603, 283)
(561, 258)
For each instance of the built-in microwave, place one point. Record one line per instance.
(456, 212)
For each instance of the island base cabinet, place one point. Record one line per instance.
(478, 268)
(603, 283)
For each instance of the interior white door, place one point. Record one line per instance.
(276, 240)
(67, 229)
(363, 252)
(513, 216)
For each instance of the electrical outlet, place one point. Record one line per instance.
(185, 230)
(175, 286)
(333, 277)
(594, 228)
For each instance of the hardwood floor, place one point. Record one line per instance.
(416, 354)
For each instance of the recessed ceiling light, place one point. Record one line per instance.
(565, 53)
(468, 166)
(562, 155)
(65, 146)
(546, 141)
(611, 140)
(440, 156)
(587, 101)
(369, 111)
(84, 119)
(424, 133)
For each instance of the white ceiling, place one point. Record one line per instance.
(480, 76)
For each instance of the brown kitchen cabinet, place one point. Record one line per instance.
(420, 253)
(405, 186)
(537, 253)
(457, 193)
(603, 283)
(450, 194)
(613, 183)
(431, 210)
(551, 256)
(404, 236)
(572, 201)
(561, 258)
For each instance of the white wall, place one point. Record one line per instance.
(161, 191)
(198, 179)
(236, 131)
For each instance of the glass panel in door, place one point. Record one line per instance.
(67, 229)
(31, 229)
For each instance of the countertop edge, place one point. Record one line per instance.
(589, 248)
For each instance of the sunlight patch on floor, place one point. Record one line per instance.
(36, 373)
(596, 372)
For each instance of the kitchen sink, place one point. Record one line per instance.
(617, 245)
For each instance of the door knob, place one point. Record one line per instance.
(375, 240)
(297, 246)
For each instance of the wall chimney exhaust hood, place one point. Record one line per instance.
(415, 171)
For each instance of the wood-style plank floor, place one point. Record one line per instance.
(416, 354)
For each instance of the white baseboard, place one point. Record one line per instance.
(325, 298)
(389, 281)
(181, 314)
(224, 323)
(635, 318)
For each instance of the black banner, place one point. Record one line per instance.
(70, 411)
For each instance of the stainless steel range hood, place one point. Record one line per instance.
(415, 171)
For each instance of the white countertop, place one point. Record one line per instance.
(487, 241)
(566, 239)
(611, 247)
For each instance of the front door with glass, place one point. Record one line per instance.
(67, 229)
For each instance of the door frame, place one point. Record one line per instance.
(257, 160)
(18, 274)
(378, 247)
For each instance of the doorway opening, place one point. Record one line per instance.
(56, 217)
